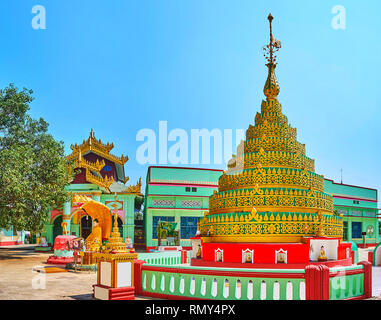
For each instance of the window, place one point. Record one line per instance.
(342, 211)
(187, 189)
(191, 203)
(163, 203)
(155, 221)
(194, 189)
(188, 227)
(357, 213)
(356, 202)
(370, 213)
(345, 230)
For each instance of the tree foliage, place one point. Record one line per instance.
(33, 169)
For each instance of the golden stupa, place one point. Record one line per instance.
(277, 197)
(115, 242)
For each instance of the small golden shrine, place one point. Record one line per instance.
(115, 242)
(115, 272)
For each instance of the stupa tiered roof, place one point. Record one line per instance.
(98, 159)
(277, 197)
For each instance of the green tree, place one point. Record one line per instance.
(33, 168)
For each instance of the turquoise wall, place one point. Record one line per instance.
(359, 208)
(174, 198)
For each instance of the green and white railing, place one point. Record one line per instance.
(315, 282)
(167, 258)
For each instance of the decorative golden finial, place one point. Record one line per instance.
(115, 205)
(271, 89)
(115, 243)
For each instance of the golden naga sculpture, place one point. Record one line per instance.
(277, 196)
(101, 216)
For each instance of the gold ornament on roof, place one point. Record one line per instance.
(93, 169)
(271, 89)
(96, 146)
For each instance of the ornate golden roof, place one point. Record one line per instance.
(92, 169)
(134, 189)
(277, 196)
(94, 145)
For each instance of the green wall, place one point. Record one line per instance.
(166, 195)
(357, 205)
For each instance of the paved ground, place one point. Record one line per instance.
(18, 280)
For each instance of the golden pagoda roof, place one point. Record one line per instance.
(94, 145)
(277, 196)
(93, 169)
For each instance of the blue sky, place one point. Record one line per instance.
(120, 66)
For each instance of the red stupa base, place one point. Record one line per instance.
(276, 255)
(107, 293)
(62, 255)
(61, 260)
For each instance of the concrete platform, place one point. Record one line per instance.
(20, 280)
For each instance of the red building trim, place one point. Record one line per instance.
(183, 185)
(171, 195)
(354, 198)
(350, 185)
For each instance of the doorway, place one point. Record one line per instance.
(356, 230)
(57, 228)
(86, 226)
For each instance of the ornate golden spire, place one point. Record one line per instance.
(271, 89)
(115, 242)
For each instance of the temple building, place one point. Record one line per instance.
(358, 206)
(179, 195)
(100, 175)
